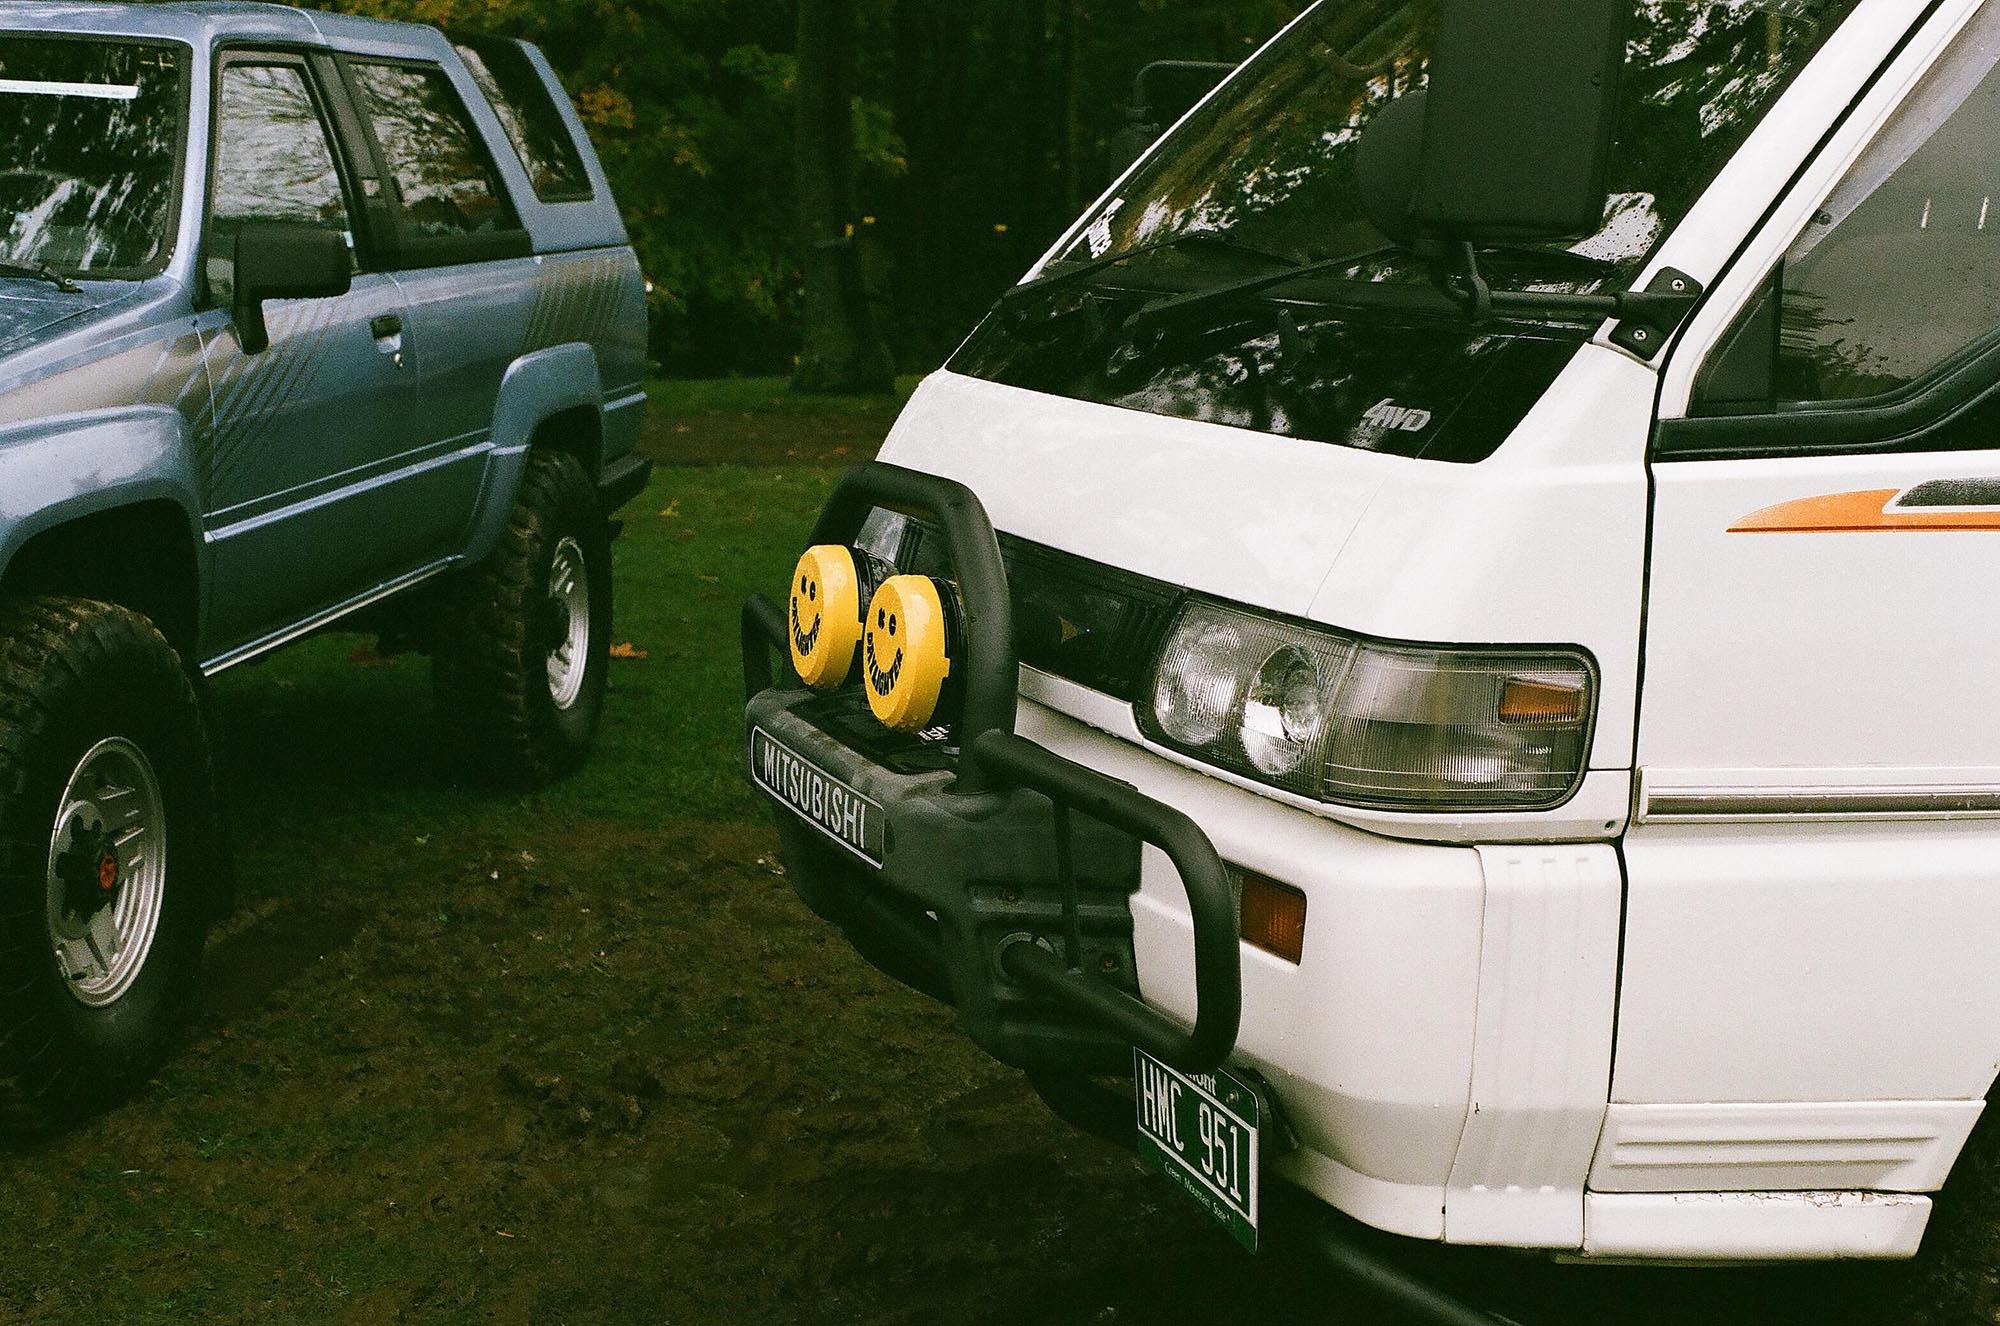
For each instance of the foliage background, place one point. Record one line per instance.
(981, 127)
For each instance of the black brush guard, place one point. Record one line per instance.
(1008, 874)
(1006, 881)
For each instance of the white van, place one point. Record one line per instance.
(1502, 721)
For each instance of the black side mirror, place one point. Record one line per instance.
(1512, 140)
(284, 260)
(1164, 91)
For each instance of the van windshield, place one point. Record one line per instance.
(90, 139)
(1263, 177)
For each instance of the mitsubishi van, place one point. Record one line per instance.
(1436, 653)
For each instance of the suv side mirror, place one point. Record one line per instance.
(1512, 140)
(284, 260)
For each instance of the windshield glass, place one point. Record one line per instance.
(1264, 176)
(90, 135)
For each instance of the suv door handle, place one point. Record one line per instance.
(385, 325)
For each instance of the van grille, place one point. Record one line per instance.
(1086, 622)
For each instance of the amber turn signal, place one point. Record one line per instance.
(1542, 700)
(1274, 917)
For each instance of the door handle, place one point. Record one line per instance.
(385, 325)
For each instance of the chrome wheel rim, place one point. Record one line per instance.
(569, 608)
(107, 871)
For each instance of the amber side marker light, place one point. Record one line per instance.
(1541, 700)
(1274, 917)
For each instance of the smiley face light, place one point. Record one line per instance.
(912, 629)
(825, 615)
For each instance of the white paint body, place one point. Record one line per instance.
(1614, 1029)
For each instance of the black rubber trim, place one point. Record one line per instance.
(622, 480)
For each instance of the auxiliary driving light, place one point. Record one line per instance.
(913, 629)
(829, 586)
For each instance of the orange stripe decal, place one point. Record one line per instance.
(1858, 513)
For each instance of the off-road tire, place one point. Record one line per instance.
(73, 673)
(490, 670)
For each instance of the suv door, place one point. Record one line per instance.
(1814, 869)
(461, 258)
(308, 432)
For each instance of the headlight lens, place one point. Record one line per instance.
(1343, 719)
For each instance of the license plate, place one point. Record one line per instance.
(854, 821)
(1200, 1130)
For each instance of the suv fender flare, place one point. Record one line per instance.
(536, 388)
(141, 454)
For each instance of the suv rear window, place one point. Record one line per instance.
(530, 116)
(444, 178)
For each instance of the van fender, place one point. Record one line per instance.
(53, 471)
(536, 387)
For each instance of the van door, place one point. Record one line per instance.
(304, 430)
(1813, 911)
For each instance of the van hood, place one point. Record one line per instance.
(30, 308)
(1227, 511)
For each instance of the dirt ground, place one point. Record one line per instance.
(583, 1058)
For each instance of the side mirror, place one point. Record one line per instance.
(1164, 91)
(284, 260)
(1512, 140)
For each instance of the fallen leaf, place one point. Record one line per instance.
(628, 650)
(672, 510)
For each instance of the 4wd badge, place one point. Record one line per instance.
(1387, 415)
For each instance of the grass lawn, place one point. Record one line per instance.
(582, 1057)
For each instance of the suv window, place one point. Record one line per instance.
(529, 114)
(444, 179)
(90, 137)
(273, 162)
(1901, 269)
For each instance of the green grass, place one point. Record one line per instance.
(327, 725)
(765, 396)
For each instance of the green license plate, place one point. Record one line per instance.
(1200, 1130)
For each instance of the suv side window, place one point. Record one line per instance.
(529, 114)
(273, 162)
(445, 182)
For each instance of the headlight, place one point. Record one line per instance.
(1344, 719)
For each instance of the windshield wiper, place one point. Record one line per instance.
(40, 271)
(1648, 315)
(1176, 304)
(1076, 275)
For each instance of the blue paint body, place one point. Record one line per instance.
(339, 466)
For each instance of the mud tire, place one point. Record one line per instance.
(490, 670)
(74, 672)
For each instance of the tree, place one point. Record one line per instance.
(842, 350)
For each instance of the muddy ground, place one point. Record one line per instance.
(581, 1057)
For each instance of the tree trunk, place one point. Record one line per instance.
(1069, 109)
(842, 350)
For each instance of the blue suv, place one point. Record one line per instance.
(304, 320)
